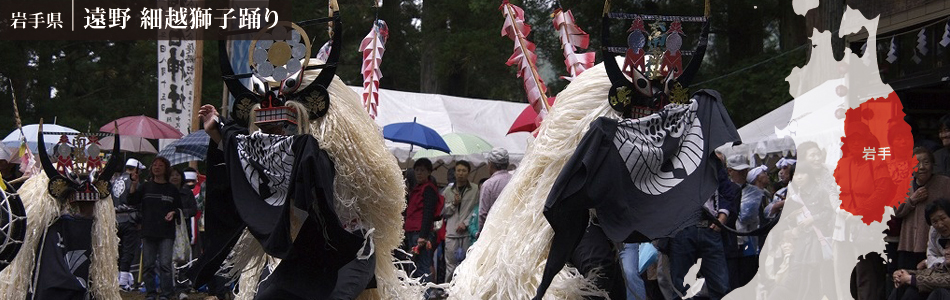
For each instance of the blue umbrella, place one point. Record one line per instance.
(415, 134)
(192, 147)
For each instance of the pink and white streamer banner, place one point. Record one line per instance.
(373, 47)
(572, 39)
(516, 29)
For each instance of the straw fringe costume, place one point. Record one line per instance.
(516, 215)
(524, 209)
(367, 189)
(364, 196)
(46, 211)
(41, 211)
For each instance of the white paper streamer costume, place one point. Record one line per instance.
(367, 187)
(79, 183)
(516, 240)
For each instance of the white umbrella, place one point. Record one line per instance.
(10, 155)
(463, 145)
(51, 134)
(128, 143)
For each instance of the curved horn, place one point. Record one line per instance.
(610, 61)
(48, 167)
(315, 96)
(690, 71)
(235, 87)
(240, 111)
(326, 75)
(114, 164)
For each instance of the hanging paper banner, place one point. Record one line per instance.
(239, 52)
(572, 38)
(373, 46)
(946, 35)
(892, 53)
(921, 49)
(524, 56)
(176, 76)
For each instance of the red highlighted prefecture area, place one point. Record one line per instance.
(877, 161)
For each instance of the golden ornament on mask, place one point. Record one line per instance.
(316, 101)
(244, 107)
(655, 63)
(58, 187)
(621, 97)
(79, 146)
(679, 94)
(279, 53)
(657, 30)
(103, 187)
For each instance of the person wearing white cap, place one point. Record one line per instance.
(197, 190)
(191, 177)
(126, 217)
(498, 166)
(759, 177)
(783, 165)
(750, 209)
(785, 173)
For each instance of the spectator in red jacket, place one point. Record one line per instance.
(420, 214)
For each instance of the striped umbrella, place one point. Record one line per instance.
(192, 147)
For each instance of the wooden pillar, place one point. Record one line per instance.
(196, 103)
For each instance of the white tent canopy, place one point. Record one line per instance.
(488, 119)
(759, 137)
(772, 132)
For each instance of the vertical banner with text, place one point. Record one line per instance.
(176, 81)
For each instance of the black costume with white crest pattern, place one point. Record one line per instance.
(267, 161)
(63, 260)
(643, 143)
(273, 179)
(646, 178)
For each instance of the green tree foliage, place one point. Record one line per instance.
(447, 47)
(79, 84)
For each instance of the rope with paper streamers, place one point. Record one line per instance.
(373, 46)
(516, 29)
(572, 38)
(23, 153)
(16, 116)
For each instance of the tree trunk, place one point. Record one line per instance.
(431, 39)
(792, 30)
(827, 17)
(745, 29)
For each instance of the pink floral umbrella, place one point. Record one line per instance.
(142, 126)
